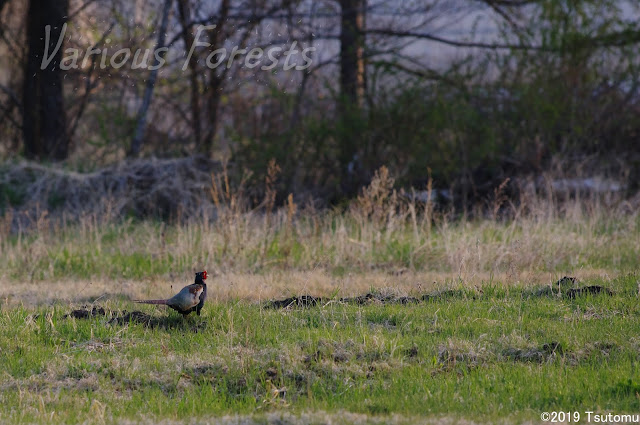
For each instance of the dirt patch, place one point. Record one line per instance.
(86, 313)
(448, 355)
(566, 281)
(567, 287)
(133, 317)
(301, 301)
(451, 294)
(547, 352)
(208, 371)
(378, 298)
(368, 298)
(585, 290)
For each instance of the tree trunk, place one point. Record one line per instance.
(136, 144)
(352, 67)
(213, 88)
(2, 3)
(44, 118)
(352, 146)
(188, 39)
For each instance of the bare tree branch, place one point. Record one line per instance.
(89, 85)
(450, 42)
(136, 144)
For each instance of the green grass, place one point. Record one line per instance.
(483, 355)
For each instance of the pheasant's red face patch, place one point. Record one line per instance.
(204, 275)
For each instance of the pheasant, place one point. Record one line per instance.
(190, 298)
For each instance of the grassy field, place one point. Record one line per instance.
(497, 353)
(463, 323)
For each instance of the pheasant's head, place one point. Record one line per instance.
(202, 275)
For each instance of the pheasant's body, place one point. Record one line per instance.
(190, 298)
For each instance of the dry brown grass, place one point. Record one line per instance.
(169, 187)
(385, 239)
(267, 286)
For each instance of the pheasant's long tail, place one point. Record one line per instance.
(150, 301)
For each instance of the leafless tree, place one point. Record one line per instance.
(136, 143)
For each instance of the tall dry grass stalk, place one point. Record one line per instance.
(382, 230)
